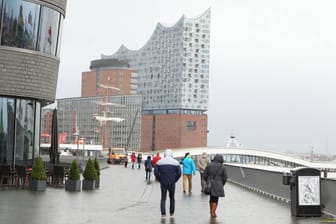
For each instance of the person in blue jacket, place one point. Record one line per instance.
(189, 169)
(168, 172)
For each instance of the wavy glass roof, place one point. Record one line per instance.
(173, 65)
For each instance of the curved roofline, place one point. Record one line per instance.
(159, 24)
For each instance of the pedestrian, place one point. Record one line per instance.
(156, 159)
(133, 159)
(139, 159)
(216, 172)
(126, 160)
(202, 162)
(189, 169)
(148, 168)
(168, 172)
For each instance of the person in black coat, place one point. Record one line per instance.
(148, 168)
(139, 159)
(216, 172)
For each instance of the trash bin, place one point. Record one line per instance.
(305, 191)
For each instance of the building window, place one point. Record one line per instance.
(49, 31)
(20, 121)
(20, 24)
(30, 26)
(191, 125)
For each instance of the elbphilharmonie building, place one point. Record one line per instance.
(30, 34)
(173, 69)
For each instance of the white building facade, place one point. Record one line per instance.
(173, 66)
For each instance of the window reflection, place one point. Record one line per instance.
(37, 129)
(48, 30)
(0, 16)
(59, 36)
(24, 27)
(24, 130)
(19, 124)
(20, 24)
(6, 130)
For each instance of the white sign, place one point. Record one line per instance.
(309, 190)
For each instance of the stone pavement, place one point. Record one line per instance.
(125, 197)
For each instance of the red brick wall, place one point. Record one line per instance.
(171, 131)
(89, 84)
(146, 132)
(120, 78)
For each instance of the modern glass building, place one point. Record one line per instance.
(30, 34)
(111, 121)
(173, 78)
(173, 66)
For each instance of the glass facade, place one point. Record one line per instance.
(79, 115)
(33, 26)
(48, 31)
(173, 66)
(30, 26)
(19, 130)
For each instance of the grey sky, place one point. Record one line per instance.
(272, 63)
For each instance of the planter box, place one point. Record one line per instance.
(88, 184)
(97, 183)
(73, 185)
(37, 185)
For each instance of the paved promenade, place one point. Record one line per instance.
(124, 197)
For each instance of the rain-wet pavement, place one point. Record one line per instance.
(125, 197)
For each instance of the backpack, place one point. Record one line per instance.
(148, 165)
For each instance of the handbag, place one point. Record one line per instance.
(208, 183)
(207, 186)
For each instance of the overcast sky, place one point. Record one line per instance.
(272, 63)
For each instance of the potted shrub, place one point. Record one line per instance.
(97, 167)
(38, 179)
(73, 183)
(90, 175)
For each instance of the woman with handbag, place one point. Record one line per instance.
(215, 173)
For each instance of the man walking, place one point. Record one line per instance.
(168, 172)
(202, 162)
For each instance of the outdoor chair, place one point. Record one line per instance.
(50, 173)
(7, 174)
(22, 176)
(59, 174)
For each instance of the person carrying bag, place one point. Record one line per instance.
(208, 183)
(215, 175)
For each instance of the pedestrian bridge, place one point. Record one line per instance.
(255, 157)
(262, 171)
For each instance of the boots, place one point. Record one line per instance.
(213, 208)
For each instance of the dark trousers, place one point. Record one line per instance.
(148, 175)
(202, 181)
(171, 189)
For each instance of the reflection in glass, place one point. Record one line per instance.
(20, 24)
(0, 16)
(59, 37)
(48, 30)
(6, 130)
(24, 130)
(37, 129)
